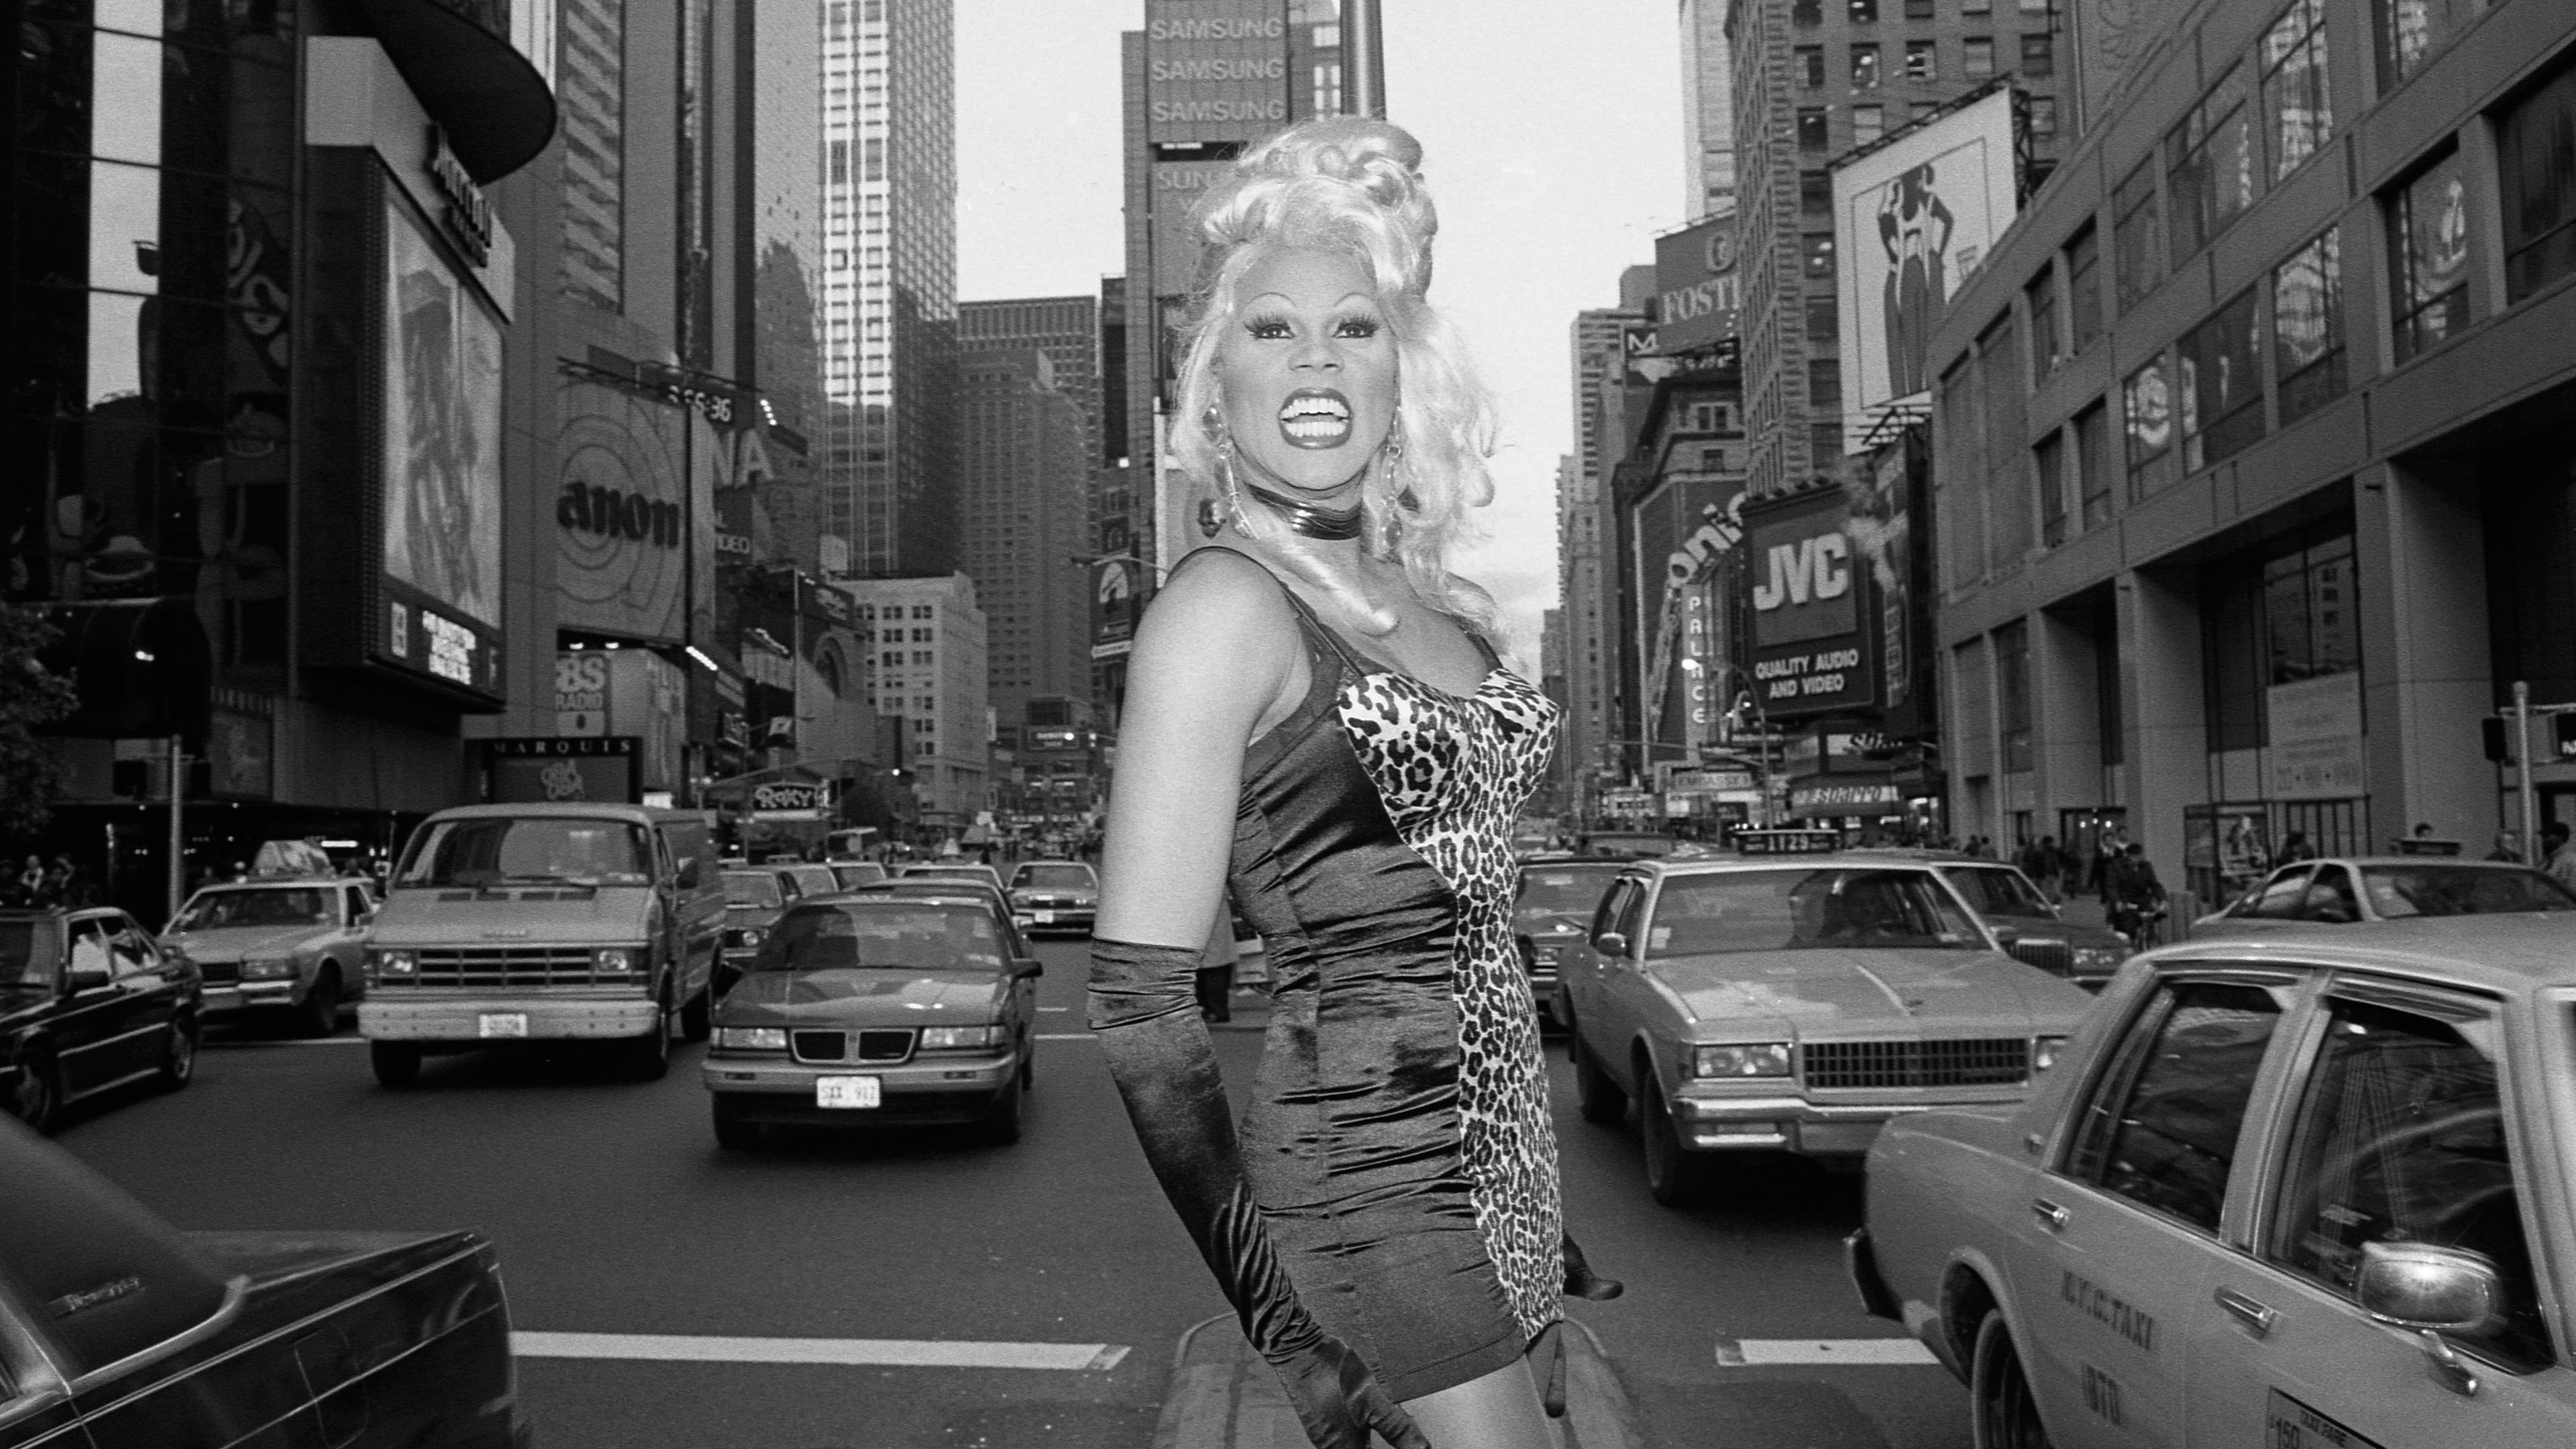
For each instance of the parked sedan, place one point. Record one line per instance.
(88, 1004)
(293, 947)
(1551, 914)
(118, 1332)
(2307, 1190)
(1050, 895)
(2363, 889)
(2029, 927)
(878, 1009)
(1770, 1003)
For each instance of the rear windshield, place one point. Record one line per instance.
(1054, 877)
(2456, 890)
(538, 850)
(867, 873)
(29, 955)
(1789, 910)
(946, 872)
(259, 906)
(750, 888)
(1570, 891)
(924, 937)
(1997, 891)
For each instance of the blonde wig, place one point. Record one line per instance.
(1351, 186)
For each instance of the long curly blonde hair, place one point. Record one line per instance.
(1353, 186)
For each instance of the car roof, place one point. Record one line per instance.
(1711, 863)
(591, 810)
(2507, 954)
(2410, 861)
(875, 899)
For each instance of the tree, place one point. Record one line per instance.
(31, 697)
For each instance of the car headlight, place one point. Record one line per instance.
(2098, 957)
(267, 968)
(752, 1038)
(613, 958)
(961, 1038)
(1550, 955)
(749, 936)
(396, 965)
(1759, 1059)
(2044, 1052)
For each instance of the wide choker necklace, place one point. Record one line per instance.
(1309, 520)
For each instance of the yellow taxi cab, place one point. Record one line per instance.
(2309, 1191)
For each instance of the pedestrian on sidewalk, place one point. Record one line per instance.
(1304, 695)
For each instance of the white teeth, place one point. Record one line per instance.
(1314, 407)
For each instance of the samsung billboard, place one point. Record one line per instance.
(1913, 217)
(1215, 70)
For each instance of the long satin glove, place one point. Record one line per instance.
(1144, 1010)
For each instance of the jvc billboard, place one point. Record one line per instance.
(1811, 651)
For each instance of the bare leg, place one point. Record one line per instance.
(1499, 1411)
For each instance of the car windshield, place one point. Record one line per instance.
(750, 888)
(1053, 878)
(257, 906)
(2460, 890)
(532, 850)
(1997, 891)
(1553, 892)
(1790, 910)
(895, 936)
(27, 954)
(858, 874)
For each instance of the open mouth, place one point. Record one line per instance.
(1315, 417)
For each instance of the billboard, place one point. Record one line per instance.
(550, 770)
(1913, 217)
(1695, 299)
(1177, 187)
(440, 468)
(1215, 70)
(1810, 652)
(621, 531)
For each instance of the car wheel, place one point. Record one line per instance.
(2002, 1413)
(647, 1058)
(38, 1101)
(321, 1013)
(1595, 1096)
(397, 1063)
(697, 1019)
(179, 1054)
(1001, 1125)
(734, 1132)
(1675, 1176)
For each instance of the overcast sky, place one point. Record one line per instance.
(1553, 146)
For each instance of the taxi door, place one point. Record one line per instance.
(1622, 1000)
(1581, 972)
(2402, 1128)
(2118, 1244)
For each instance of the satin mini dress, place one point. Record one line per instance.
(1397, 1137)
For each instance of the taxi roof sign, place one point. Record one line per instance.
(1787, 842)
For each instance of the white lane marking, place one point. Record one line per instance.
(864, 1352)
(1065, 1035)
(1055, 1008)
(310, 1041)
(1760, 1352)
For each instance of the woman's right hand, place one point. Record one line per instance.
(1338, 1401)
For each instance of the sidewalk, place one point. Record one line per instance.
(1224, 1397)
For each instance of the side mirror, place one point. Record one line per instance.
(1026, 967)
(85, 978)
(1611, 943)
(2420, 1286)
(690, 874)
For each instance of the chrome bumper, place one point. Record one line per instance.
(460, 1019)
(233, 999)
(1793, 1124)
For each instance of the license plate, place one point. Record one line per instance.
(849, 1091)
(502, 1024)
(1046, 918)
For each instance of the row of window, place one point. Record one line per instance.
(1869, 120)
(1808, 13)
(1921, 60)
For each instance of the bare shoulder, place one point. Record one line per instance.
(1216, 599)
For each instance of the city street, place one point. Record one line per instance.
(616, 1214)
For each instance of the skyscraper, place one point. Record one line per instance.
(1024, 470)
(889, 151)
(1066, 329)
(1708, 110)
(1600, 339)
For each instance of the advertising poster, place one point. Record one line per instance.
(1215, 70)
(554, 771)
(621, 539)
(1912, 219)
(1810, 653)
(2316, 749)
(442, 465)
(1695, 300)
(1177, 188)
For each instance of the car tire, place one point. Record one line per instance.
(2002, 1411)
(697, 1019)
(647, 1058)
(396, 1063)
(320, 1014)
(1675, 1176)
(1001, 1124)
(179, 1054)
(38, 1100)
(1596, 1096)
(1028, 1064)
(734, 1131)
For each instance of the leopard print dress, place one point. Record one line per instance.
(1398, 1137)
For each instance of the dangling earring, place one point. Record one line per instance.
(1230, 493)
(1391, 459)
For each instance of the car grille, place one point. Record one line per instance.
(487, 966)
(2054, 957)
(219, 973)
(834, 1046)
(1970, 1062)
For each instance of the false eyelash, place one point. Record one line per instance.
(1364, 319)
(1259, 320)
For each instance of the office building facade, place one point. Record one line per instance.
(1025, 542)
(929, 638)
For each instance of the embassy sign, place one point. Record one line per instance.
(1811, 649)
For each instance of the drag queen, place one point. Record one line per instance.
(1317, 723)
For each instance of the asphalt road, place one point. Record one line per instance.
(616, 1214)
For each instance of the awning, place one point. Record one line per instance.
(489, 100)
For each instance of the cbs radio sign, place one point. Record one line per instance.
(1810, 652)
